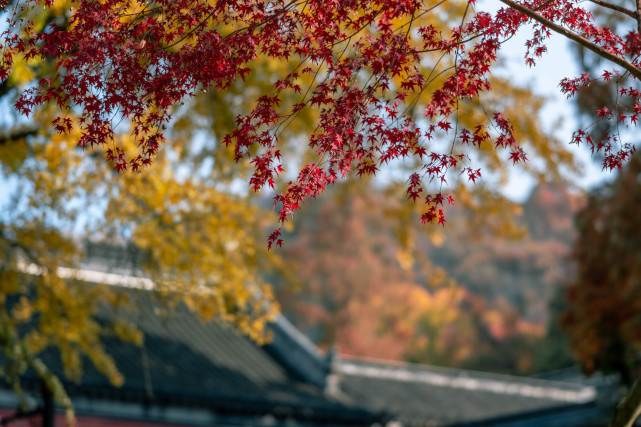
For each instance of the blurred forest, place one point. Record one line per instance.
(478, 300)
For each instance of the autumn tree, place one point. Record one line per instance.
(604, 303)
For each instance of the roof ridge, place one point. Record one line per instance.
(497, 383)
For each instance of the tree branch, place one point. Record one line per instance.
(544, 5)
(631, 68)
(615, 7)
(18, 134)
(638, 16)
(629, 409)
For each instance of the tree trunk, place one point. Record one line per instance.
(629, 409)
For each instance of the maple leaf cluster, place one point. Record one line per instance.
(361, 64)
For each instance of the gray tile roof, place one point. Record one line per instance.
(430, 396)
(186, 362)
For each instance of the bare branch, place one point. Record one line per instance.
(17, 134)
(615, 7)
(638, 16)
(544, 5)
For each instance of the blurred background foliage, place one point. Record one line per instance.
(480, 301)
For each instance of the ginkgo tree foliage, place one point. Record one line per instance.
(200, 246)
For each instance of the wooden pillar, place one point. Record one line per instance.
(48, 408)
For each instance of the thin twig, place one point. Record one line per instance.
(616, 7)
